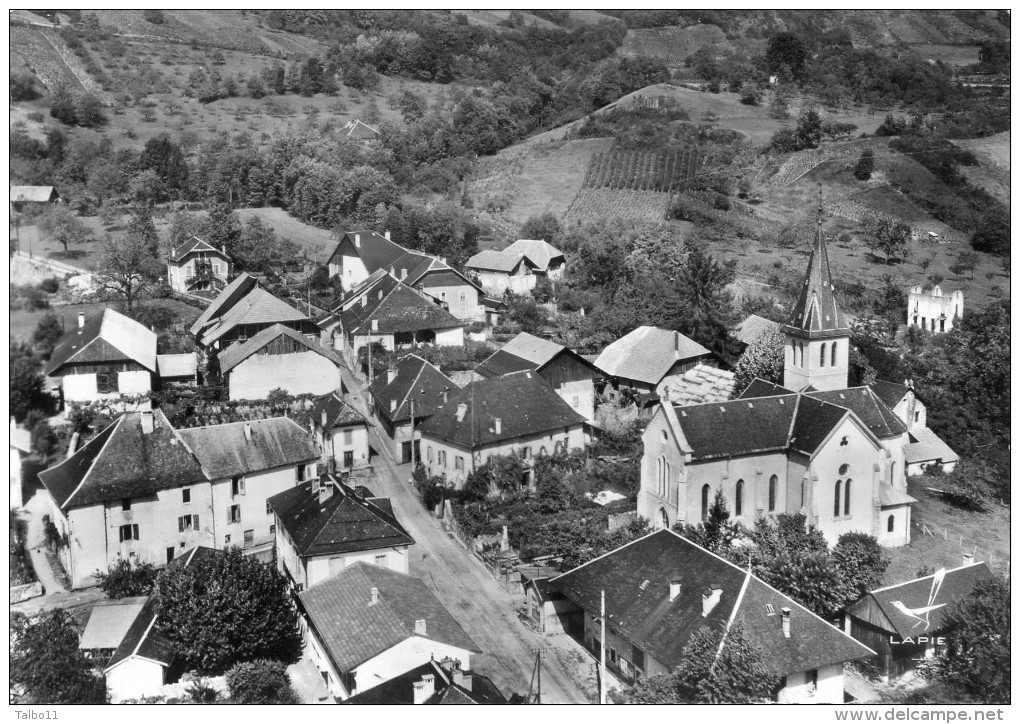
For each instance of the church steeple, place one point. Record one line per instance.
(817, 336)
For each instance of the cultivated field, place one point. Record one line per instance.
(643, 169)
(956, 55)
(591, 204)
(672, 43)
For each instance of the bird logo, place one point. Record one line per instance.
(923, 614)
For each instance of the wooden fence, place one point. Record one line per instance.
(997, 562)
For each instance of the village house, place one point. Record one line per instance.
(702, 383)
(324, 527)
(434, 682)
(499, 272)
(933, 311)
(177, 370)
(662, 588)
(363, 133)
(196, 266)
(513, 414)
(645, 360)
(384, 310)
(406, 396)
(905, 623)
(549, 261)
(753, 327)
(20, 443)
(544, 604)
(108, 355)
(279, 357)
(924, 448)
(368, 624)
(243, 309)
(571, 375)
(360, 254)
(23, 197)
(340, 432)
(143, 491)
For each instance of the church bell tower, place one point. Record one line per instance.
(817, 337)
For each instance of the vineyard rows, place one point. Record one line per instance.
(596, 203)
(643, 169)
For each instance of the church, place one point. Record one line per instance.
(837, 454)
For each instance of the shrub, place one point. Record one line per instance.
(47, 333)
(122, 579)
(50, 286)
(202, 692)
(262, 681)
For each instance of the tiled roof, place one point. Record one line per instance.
(636, 580)
(817, 314)
(941, 589)
(396, 308)
(525, 405)
(700, 384)
(647, 354)
(761, 388)
(536, 350)
(177, 365)
(142, 640)
(737, 427)
(343, 523)
(925, 446)
(502, 362)
(226, 451)
(123, 462)
(889, 496)
(106, 337)
(538, 250)
(195, 244)
(882, 421)
(109, 622)
(359, 130)
(238, 353)
(354, 630)
(400, 689)
(256, 307)
(37, 194)
(416, 380)
(889, 392)
(753, 327)
(489, 260)
(231, 294)
(375, 251)
(339, 413)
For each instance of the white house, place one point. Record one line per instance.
(549, 260)
(108, 355)
(925, 448)
(340, 431)
(662, 588)
(368, 624)
(197, 266)
(498, 272)
(21, 446)
(648, 359)
(932, 310)
(324, 527)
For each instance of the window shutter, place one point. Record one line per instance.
(134, 531)
(194, 520)
(120, 530)
(180, 524)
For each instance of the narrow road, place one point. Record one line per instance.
(470, 593)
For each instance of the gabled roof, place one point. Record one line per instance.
(536, 350)
(502, 362)
(354, 630)
(20, 438)
(415, 380)
(523, 403)
(124, 462)
(361, 131)
(889, 392)
(343, 523)
(256, 307)
(228, 450)
(636, 579)
(647, 354)
(238, 353)
(141, 640)
(193, 555)
(106, 337)
(925, 446)
(817, 314)
(177, 365)
(881, 420)
(339, 413)
(395, 307)
(231, 294)
(753, 327)
(700, 384)
(941, 589)
(761, 388)
(194, 244)
(538, 250)
(375, 250)
(109, 622)
(527, 352)
(489, 260)
(400, 689)
(36, 194)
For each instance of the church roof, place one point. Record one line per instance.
(817, 315)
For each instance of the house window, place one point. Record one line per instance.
(917, 417)
(226, 539)
(187, 522)
(773, 483)
(463, 296)
(835, 504)
(106, 381)
(272, 530)
(381, 560)
(458, 462)
(738, 503)
(125, 504)
(348, 437)
(526, 452)
(846, 497)
(237, 485)
(300, 471)
(704, 502)
(428, 452)
(234, 514)
(812, 680)
(663, 519)
(890, 525)
(186, 495)
(269, 508)
(249, 537)
(612, 655)
(442, 295)
(129, 532)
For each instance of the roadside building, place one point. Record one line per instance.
(436, 682)
(323, 527)
(20, 443)
(499, 272)
(140, 664)
(549, 261)
(571, 375)
(513, 414)
(340, 432)
(197, 267)
(368, 624)
(37, 197)
(107, 356)
(645, 361)
(662, 588)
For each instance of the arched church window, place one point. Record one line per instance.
(835, 503)
(738, 504)
(846, 497)
(773, 483)
(663, 519)
(890, 525)
(833, 363)
(821, 356)
(704, 502)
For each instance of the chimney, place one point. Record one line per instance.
(498, 422)
(247, 431)
(968, 559)
(375, 325)
(357, 240)
(461, 411)
(460, 677)
(224, 249)
(147, 422)
(676, 343)
(364, 301)
(786, 622)
(81, 321)
(403, 274)
(674, 589)
(419, 626)
(393, 405)
(424, 689)
(391, 374)
(374, 593)
(446, 395)
(323, 419)
(710, 598)
(386, 234)
(325, 491)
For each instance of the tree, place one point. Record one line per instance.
(88, 111)
(976, 661)
(222, 227)
(47, 333)
(46, 660)
(26, 380)
(739, 673)
(971, 485)
(785, 56)
(779, 108)
(865, 165)
(861, 561)
(81, 418)
(122, 579)
(542, 226)
(809, 129)
(763, 358)
(258, 250)
(128, 266)
(992, 234)
(835, 129)
(262, 681)
(227, 608)
(966, 261)
(890, 238)
(60, 224)
(525, 311)
(167, 159)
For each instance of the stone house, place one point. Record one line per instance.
(549, 261)
(197, 266)
(932, 310)
(499, 272)
(647, 359)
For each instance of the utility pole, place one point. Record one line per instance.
(538, 697)
(369, 360)
(602, 653)
(414, 462)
